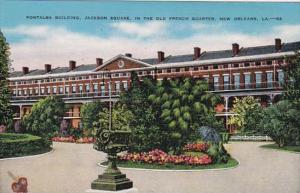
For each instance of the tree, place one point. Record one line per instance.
(146, 133)
(183, 105)
(45, 117)
(89, 113)
(5, 108)
(121, 118)
(292, 87)
(247, 113)
(281, 122)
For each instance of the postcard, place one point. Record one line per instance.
(149, 97)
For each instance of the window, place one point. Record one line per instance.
(102, 90)
(247, 64)
(42, 90)
(225, 66)
(125, 85)
(31, 91)
(280, 77)
(216, 82)
(54, 90)
(87, 88)
(270, 79)
(169, 70)
(14, 92)
(116, 75)
(215, 66)
(258, 79)
(54, 80)
(73, 88)
(159, 71)
(177, 70)
(61, 90)
(80, 78)
(95, 87)
(205, 68)
(48, 90)
(237, 81)
(226, 81)
(25, 91)
(117, 87)
(186, 69)
(67, 89)
(36, 90)
(19, 92)
(257, 63)
(236, 65)
(269, 62)
(247, 81)
(80, 88)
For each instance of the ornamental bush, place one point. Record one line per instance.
(14, 145)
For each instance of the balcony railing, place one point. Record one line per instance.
(70, 95)
(276, 85)
(72, 114)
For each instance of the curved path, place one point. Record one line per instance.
(71, 168)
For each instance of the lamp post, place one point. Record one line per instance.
(111, 141)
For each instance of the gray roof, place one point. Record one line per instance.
(85, 67)
(209, 55)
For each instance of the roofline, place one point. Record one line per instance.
(160, 66)
(121, 56)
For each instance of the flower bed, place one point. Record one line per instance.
(160, 157)
(198, 147)
(72, 139)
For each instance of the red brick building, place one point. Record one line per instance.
(236, 72)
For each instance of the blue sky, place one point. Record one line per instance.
(36, 42)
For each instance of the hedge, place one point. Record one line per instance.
(14, 145)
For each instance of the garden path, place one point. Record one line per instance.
(71, 167)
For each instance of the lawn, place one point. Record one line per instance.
(130, 164)
(286, 148)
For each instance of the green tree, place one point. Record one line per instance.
(45, 117)
(146, 133)
(292, 87)
(89, 113)
(247, 114)
(120, 115)
(183, 105)
(281, 122)
(5, 108)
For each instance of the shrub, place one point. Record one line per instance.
(218, 153)
(13, 145)
(281, 122)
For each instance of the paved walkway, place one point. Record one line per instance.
(71, 168)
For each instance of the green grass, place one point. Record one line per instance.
(286, 148)
(129, 164)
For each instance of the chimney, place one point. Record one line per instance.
(197, 52)
(277, 44)
(128, 55)
(25, 70)
(99, 61)
(72, 65)
(235, 49)
(47, 68)
(160, 56)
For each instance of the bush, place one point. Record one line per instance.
(14, 145)
(218, 153)
(281, 122)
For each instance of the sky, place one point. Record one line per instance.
(35, 42)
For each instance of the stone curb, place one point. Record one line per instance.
(28, 156)
(167, 170)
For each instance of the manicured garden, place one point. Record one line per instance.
(15, 145)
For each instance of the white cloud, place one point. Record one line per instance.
(141, 30)
(57, 45)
